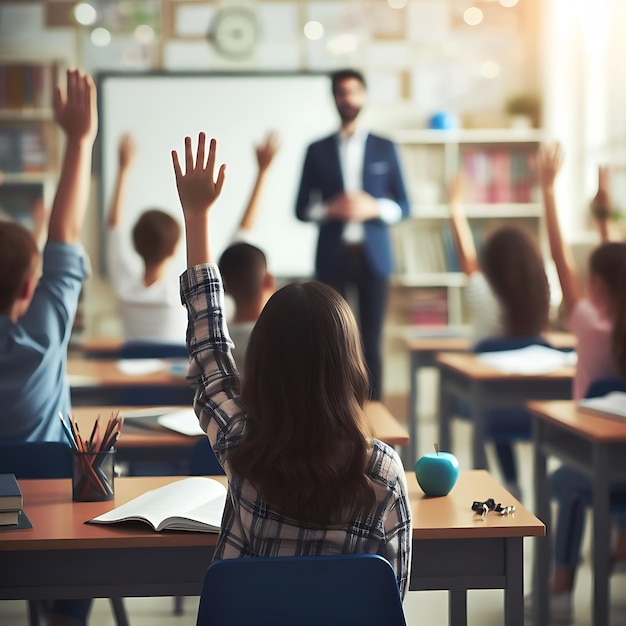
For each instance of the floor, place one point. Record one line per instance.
(485, 608)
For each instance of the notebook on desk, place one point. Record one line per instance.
(182, 421)
(612, 405)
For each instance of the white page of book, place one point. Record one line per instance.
(197, 503)
(184, 422)
(530, 360)
(612, 405)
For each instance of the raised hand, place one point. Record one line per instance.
(266, 151)
(549, 161)
(456, 187)
(198, 188)
(75, 111)
(126, 151)
(601, 204)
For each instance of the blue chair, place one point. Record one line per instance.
(203, 461)
(506, 426)
(603, 386)
(344, 590)
(44, 460)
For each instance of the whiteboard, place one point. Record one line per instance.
(159, 110)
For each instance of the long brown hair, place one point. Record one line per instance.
(306, 448)
(512, 263)
(608, 262)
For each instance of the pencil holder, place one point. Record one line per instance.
(92, 476)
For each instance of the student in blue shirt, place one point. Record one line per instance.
(36, 313)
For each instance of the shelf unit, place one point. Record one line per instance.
(29, 139)
(500, 186)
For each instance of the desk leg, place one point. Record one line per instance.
(457, 608)
(477, 414)
(446, 410)
(34, 612)
(514, 591)
(601, 536)
(413, 447)
(543, 547)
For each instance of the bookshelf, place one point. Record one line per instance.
(29, 140)
(500, 189)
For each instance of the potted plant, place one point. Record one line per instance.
(523, 110)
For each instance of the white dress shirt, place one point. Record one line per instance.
(351, 158)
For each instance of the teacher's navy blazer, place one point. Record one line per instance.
(322, 180)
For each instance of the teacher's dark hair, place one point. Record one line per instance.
(306, 446)
(340, 75)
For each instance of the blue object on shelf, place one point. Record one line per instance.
(443, 120)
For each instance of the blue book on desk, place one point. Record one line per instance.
(10, 494)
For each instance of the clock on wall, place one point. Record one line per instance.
(234, 31)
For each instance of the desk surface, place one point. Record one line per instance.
(100, 343)
(106, 373)
(384, 427)
(59, 523)
(469, 365)
(594, 427)
(562, 341)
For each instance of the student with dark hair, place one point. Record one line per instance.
(305, 476)
(243, 266)
(147, 297)
(37, 312)
(352, 186)
(507, 294)
(599, 324)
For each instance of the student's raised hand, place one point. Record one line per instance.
(601, 204)
(549, 161)
(198, 188)
(126, 151)
(266, 151)
(456, 187)
(76, 111)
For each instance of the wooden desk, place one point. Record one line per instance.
(61, 557)
(423, 352)
(596, 446)
(483, 388)
(100, 346)
(140, 443)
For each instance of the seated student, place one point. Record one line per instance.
(243, 266)
(599, 323)
(146, 291)
(304, 477)
(36, 314)
(507, 294)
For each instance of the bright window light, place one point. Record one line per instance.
(508, 3)
(397, 4)
(85, 14)
(144, 34)
(490, 69)
(313, 30)
(473, 16)
(100, 37)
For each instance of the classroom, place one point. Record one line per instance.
(339, 285)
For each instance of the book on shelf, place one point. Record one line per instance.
(26, 85)
(428, 307)
(193, 504)
(10, 493)
(23, 150)
(611, 405)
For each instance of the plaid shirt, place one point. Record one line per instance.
(250, 526)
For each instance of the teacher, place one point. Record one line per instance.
(352, 187)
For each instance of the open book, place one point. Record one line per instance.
(528, 361)
(611, 405)
(195, 503)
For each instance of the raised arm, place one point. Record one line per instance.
(463, 239)
(126, 154)
(77, 116)
(198, 189)
(549, 163)
(265, 153)
(601, 205)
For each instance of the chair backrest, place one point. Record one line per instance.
(36, 460)
(343, 590)
(203, 461)
(602, 386)
(500, 344)
(149, 350)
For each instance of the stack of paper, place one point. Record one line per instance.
(611, 405)
(530, 360)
